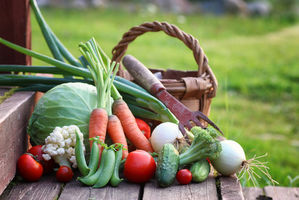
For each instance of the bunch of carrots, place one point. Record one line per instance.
(111, 115)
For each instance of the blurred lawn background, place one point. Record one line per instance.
(254, 59)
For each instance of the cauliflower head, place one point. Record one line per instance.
(60, 145)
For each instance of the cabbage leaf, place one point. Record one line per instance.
(64, 105)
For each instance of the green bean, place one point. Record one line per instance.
(80, 157)
(94, 158)
(91, 180)
(115, 180)
(108, 168)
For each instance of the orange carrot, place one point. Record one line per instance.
(98, 125)
(116, 133)
(127, 119)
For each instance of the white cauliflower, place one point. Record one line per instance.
(60, 145)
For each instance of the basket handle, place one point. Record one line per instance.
(202, 61)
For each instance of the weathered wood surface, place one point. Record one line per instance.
(194, 191)
(251, 193)
(230, 188)
(280, 193)
(77, 191)
(46, 188)
(14, 114)
(15, 27)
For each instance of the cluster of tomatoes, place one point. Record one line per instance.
(140, 167)
(31, 166)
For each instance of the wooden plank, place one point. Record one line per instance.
(15, 27)
(194, 191)
(278, 193)
(14, 114)
(45, 189)
(77, 191)
(230, 188)
(252, 193)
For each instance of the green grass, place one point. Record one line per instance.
(254, 60)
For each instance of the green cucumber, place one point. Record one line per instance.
(200, 170)
(168, 164)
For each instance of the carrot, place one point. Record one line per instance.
(116, 133)
(98, 125)
(132, 132)
(100, 71)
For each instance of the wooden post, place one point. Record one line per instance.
(15, 111)
(15, 27)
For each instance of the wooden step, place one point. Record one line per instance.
(48, 188)
(14, 114)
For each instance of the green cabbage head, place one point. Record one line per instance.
(64, 105)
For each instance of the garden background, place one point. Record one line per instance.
(253, 55)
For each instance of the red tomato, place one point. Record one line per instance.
(139, 167)
(28, 168)
(144, 127)
(37, 151)
(48, 166)
(64, 174)
(184, 176)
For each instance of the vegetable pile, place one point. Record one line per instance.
(87, 120)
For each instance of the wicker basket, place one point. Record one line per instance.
(195, 89)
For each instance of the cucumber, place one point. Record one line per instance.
(168, 164)
(200, 170)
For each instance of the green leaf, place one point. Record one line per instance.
(64, 105)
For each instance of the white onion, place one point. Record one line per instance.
(166, 132)
(230, 159)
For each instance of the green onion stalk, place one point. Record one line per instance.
(57, 49)
(40, 83)
(142, 103)
(100, 73)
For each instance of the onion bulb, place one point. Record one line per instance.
(232, 160)
(166, 132)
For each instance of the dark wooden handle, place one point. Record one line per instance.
(142, 74)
